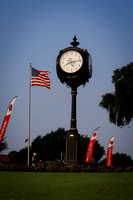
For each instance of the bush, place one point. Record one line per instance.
(59, 166)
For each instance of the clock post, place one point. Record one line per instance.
(72, 139)
(73, 109)
(74, 67)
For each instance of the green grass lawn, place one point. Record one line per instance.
(66, 186)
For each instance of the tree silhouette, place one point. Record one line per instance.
(3, 145)
(51, 146)
(119, 104)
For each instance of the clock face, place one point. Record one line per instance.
(71, 61)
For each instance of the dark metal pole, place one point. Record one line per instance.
(72, 140)
(73, 110)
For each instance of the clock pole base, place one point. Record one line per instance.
(72, 148)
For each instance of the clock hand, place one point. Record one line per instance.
(72, 64)
(75, 61)
(72, 61)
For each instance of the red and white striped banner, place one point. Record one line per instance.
(91, 145)
(109, 151)
(6, 119)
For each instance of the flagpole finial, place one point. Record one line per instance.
(30, 63)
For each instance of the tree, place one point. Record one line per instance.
(18, 157)
(3, 145)
(52, 144)
(36, 147)
(119, 160)
(13, 155)
(123, 160)
(119, 104)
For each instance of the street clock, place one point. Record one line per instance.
(74, 65)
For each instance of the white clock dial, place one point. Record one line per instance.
(71, 61)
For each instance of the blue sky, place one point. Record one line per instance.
(34, 31)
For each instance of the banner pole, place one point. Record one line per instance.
(28, 161)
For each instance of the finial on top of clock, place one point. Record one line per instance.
(74, 42)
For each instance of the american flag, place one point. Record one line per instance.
(40, 78)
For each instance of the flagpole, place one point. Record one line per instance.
(28, 161)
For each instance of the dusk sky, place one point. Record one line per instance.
(34, 31)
